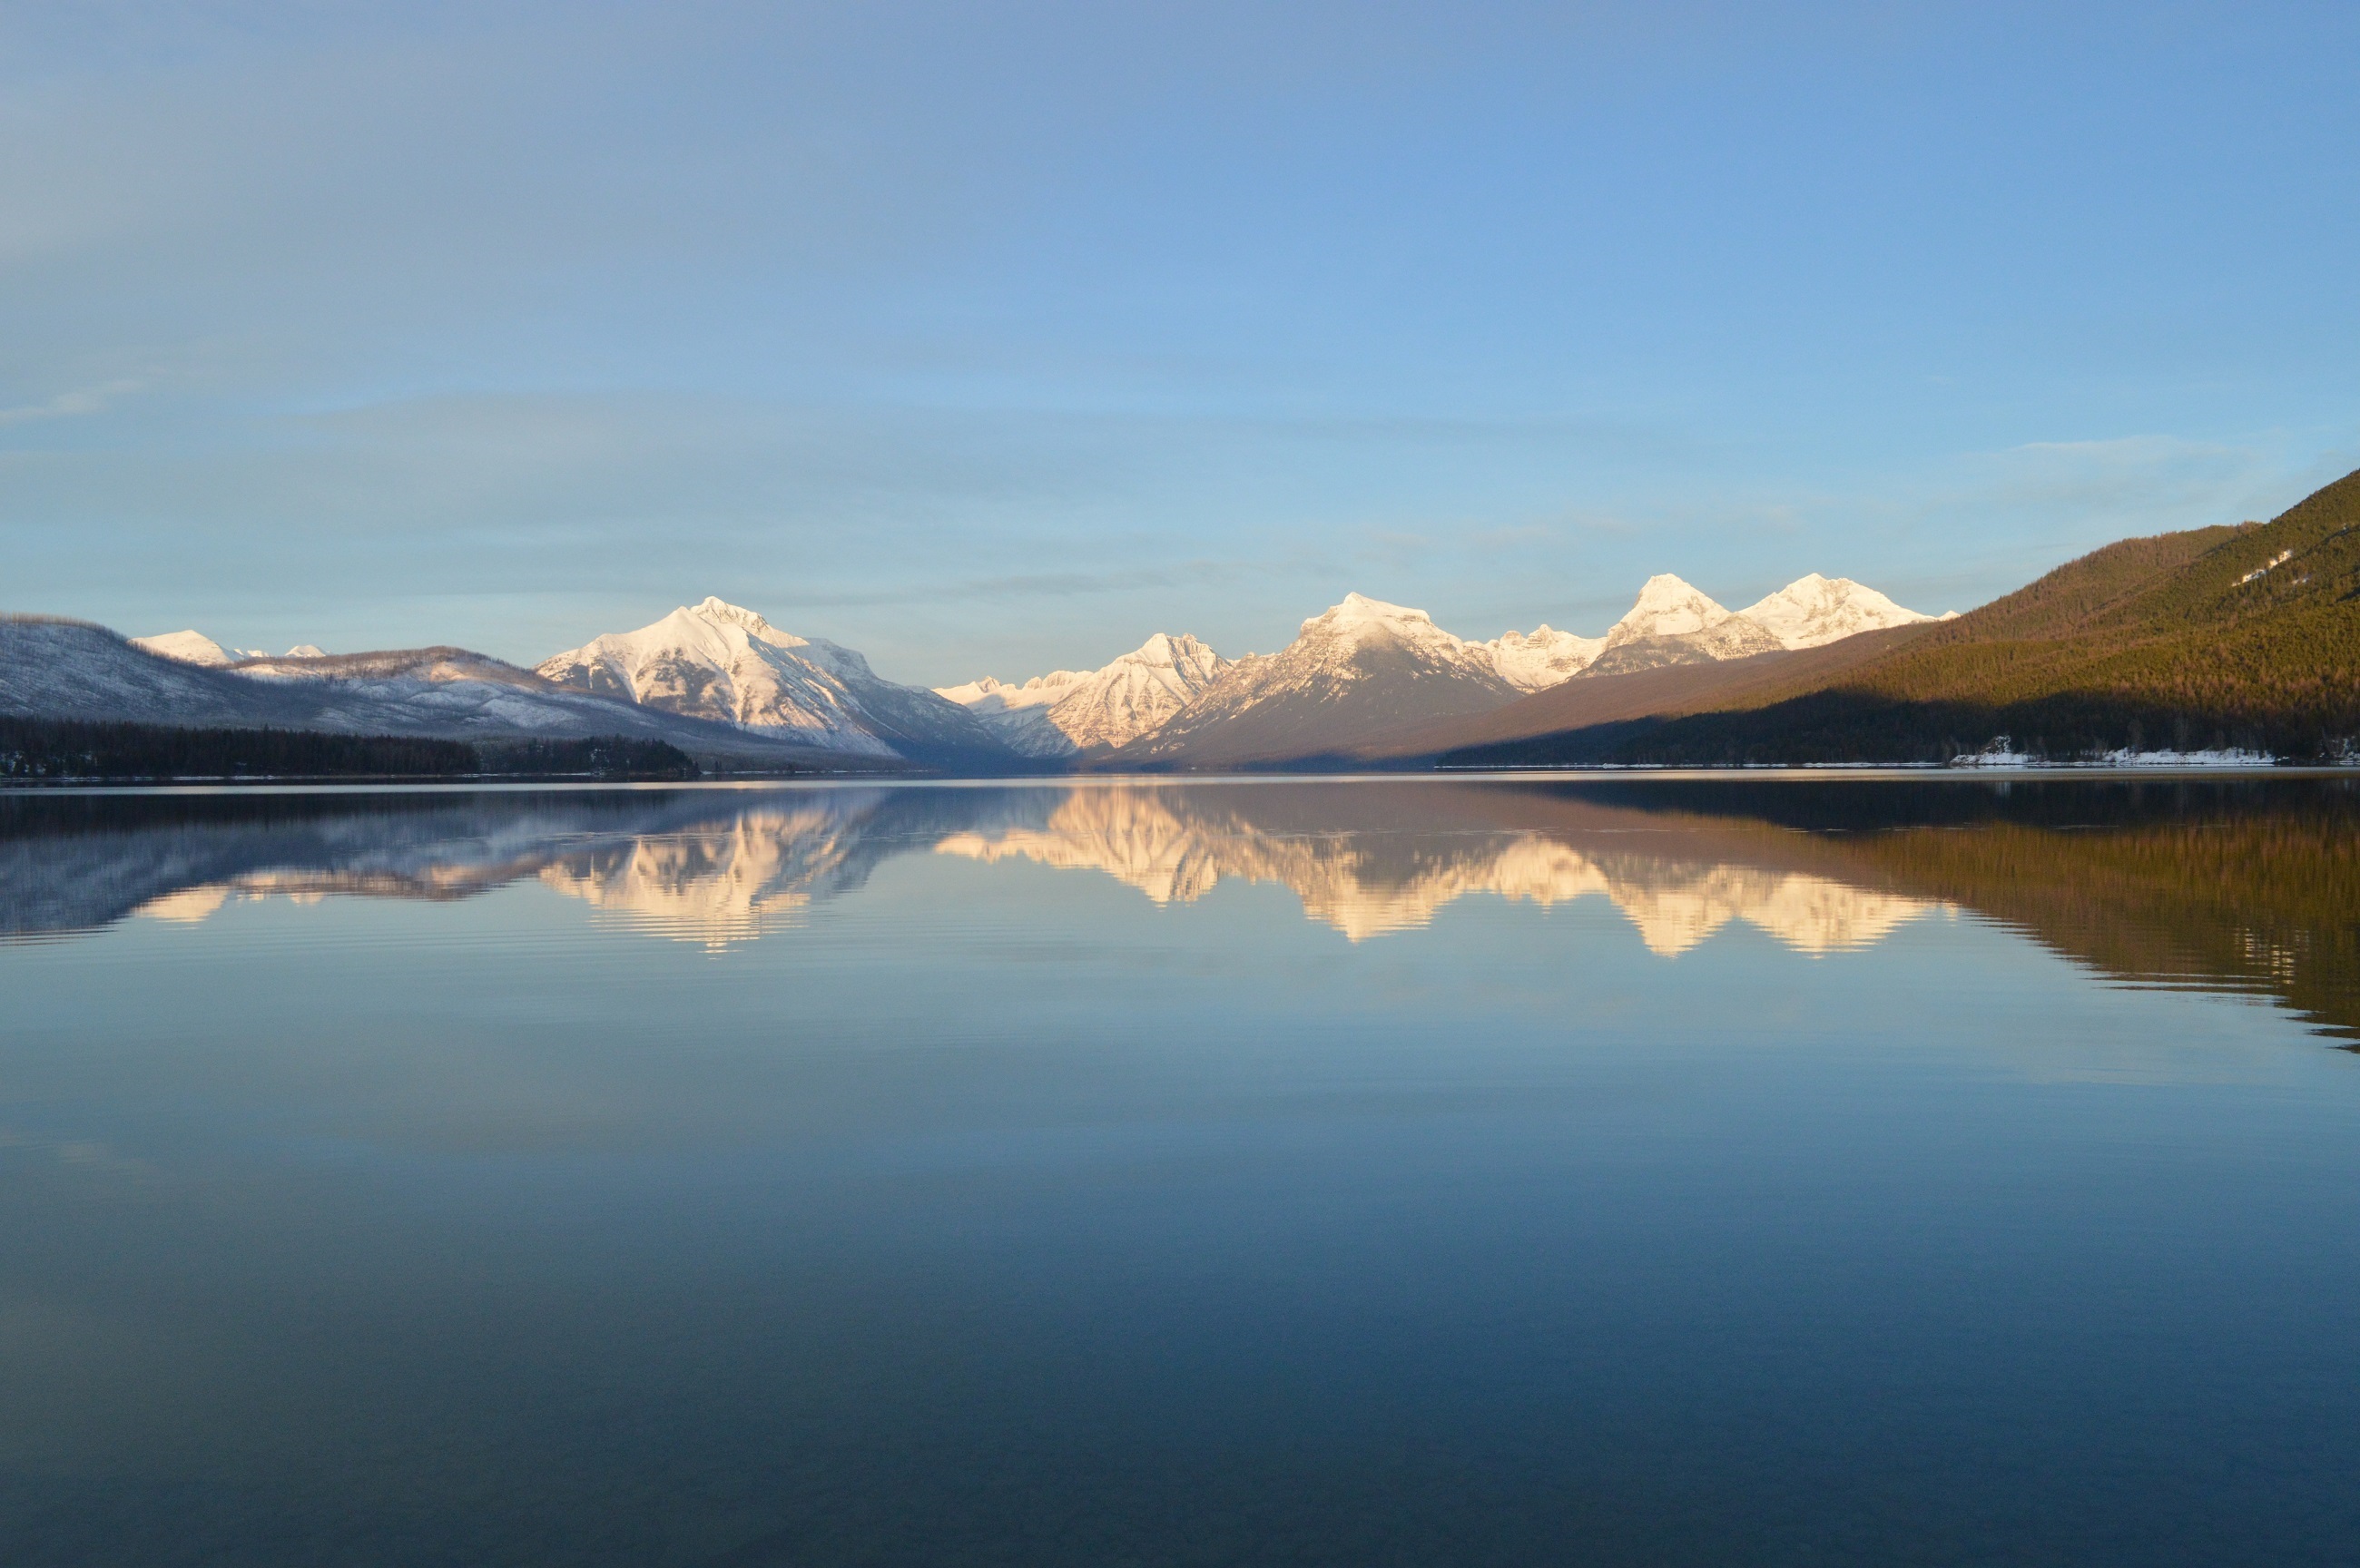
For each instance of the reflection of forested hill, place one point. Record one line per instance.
(2269, 903)
(2253, 885)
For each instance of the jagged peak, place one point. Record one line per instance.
(1664, 588)
(1668, 607)
(1163, 650)
(1359, 609)
(714, 608)
(1169, 651)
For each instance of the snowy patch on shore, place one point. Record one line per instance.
(2227, 757)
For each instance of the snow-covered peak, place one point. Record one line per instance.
(712, 624)
(1070, 710)
(968, 693)
(306, 650)
(1666, 606)
(718, 660)
(714, 608)
(985, 694)
(1164, 651)
(1358, 610)
(1534, 660)
(188, 647)
(1814, 610)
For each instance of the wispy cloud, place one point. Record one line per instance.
(68, 405)
(1037, 584)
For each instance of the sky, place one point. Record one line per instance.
(992, 339)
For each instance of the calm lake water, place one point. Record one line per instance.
(1280, 1172)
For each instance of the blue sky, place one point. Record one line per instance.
(992, 338)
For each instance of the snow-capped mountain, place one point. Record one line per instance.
(71, 670)
(1813, 611)
(1357, 679)
(718, 661)
(1537, 659)
(188, 647)
(1360, 667)
(1068, 711)
(195, 648)
(1666, 606)
(1674, 623)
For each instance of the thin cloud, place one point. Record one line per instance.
(1040, 585)
(70, 405)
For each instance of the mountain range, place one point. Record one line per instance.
(720, 681)
(2246, 636)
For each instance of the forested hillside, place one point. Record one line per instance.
(2246, 636)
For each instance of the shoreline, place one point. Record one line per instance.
(1914, 773)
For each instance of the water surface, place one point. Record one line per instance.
(1213, 1174)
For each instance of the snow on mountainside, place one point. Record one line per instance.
(1534, 660)
(70, 669)
(1360, 667)
(1068, 711)
(1675, 624)
(717, 661)
(195, 648)
(1365, 668)
(1361, 671)
(1813, 611)
(188, 647)
(1666, 606)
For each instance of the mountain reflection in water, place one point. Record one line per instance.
(2249, 887)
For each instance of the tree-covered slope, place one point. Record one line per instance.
(2244, 636)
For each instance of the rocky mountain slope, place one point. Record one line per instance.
(1538, 659)
(1369, 680)
(1070, 711)
(1634, 695)
(1676, 624)
(720, 662)
(1362, 666)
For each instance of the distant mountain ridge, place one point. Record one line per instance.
(1361, 665)
(1365, 670)
(1356, 674)
(1070, 711)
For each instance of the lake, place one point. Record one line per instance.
(1751, 1170)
